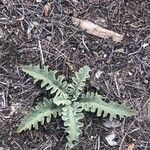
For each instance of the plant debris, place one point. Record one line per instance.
(131, 146)
(59, 44)
(46, 9)
(110, 139)
(96, 30)
(111, 124)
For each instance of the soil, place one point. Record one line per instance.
(28, 35)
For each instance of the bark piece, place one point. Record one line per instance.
(96, 30)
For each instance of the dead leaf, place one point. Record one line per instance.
(131, 146)
(96, 30)
(110, 139)
(46, 9)
(111, 124)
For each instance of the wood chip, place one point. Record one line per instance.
(96, 30)
(46, 9)
(131, 147)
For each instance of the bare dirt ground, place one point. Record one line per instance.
(28, 35)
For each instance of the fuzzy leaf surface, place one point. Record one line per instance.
(61, 99)
(79, 80)
(38, 114)
(71, 116)
(94, 103)
(48, 79)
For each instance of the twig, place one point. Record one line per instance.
(126, 133)
(41, 52)
(118, 90)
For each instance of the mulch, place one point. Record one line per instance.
(28, 36)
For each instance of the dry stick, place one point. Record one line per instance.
(120, 147)
(117, 86)
(17, 145)
(41, 52)
(4, 101)
(98, 145)
(67, 39)
(85, 44)
(146, 102)
(96, 30)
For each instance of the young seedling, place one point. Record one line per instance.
(69, 102)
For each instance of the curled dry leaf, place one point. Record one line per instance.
(96, 30)
(110, 139)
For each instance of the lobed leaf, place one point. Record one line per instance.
(71, 116)
(66, 94)
(79, 80)
(38, 114)
(94, 103)
(48, 78)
